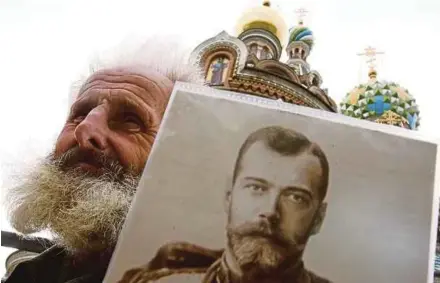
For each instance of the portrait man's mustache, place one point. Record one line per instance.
(260, 246)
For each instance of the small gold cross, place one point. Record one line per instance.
(370, 53)
(301, 12)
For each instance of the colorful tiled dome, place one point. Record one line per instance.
(302, 33)
(382, 102)
(437, 261)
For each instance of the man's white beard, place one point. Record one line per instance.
(84, 213)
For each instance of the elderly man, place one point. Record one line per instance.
(82, 191)
(274, 205)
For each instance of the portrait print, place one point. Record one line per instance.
(243, 189)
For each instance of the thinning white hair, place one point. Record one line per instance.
(164, 55)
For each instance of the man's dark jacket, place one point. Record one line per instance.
(55, 266)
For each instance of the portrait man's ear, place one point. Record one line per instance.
(228, 191)
(319, 219)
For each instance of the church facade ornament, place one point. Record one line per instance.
(250, 62)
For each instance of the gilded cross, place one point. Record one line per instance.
(370, 53)
(301, 12)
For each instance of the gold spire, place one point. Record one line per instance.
(301, 12)
(370, 53)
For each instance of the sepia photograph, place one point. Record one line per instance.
(247, 189)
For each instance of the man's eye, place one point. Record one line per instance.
(255, 188)
(78, 119)
(79, 113)
(132, 123)
(297, 198)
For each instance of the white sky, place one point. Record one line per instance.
(46, 43)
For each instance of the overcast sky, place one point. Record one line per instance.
(46, 43)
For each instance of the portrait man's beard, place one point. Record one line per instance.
(84, 212)
(260, 249)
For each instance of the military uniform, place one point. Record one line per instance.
(171, 259)
(183, 258)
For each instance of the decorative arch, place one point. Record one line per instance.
(218, 66)
(219, 43)
(279, 69)
(314, 79)
(262, 49)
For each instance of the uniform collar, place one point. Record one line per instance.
(221, 273)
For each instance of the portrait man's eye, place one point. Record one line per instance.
(298, 198)
(256, 188)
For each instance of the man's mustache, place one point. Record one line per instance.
(97, 159)
(262, 228)
(259, 228)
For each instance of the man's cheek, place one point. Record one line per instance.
(134, 158)
(297, 225)
(145, 143)
(142, 159)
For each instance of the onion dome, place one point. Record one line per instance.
(300, 43)
(437, 261)
(382, 102)
(301, 33)
(263, 17)
(437, 249)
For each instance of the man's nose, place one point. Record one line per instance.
(92, 132)
(269, 209)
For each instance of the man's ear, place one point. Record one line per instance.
(227, 198)
(319, 219)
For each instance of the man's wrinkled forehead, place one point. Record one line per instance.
(150, 85)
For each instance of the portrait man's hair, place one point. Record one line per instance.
(286, 142)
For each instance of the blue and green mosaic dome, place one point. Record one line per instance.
(382, 102)
(302, 33)
(437, 262)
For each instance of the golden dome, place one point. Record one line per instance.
(263, 17)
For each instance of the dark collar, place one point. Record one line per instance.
(291, 273)
(56, 266)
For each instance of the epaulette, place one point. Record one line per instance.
(27, 248)
(17, 257)
(171, 259)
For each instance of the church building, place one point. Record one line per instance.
(250, 62)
